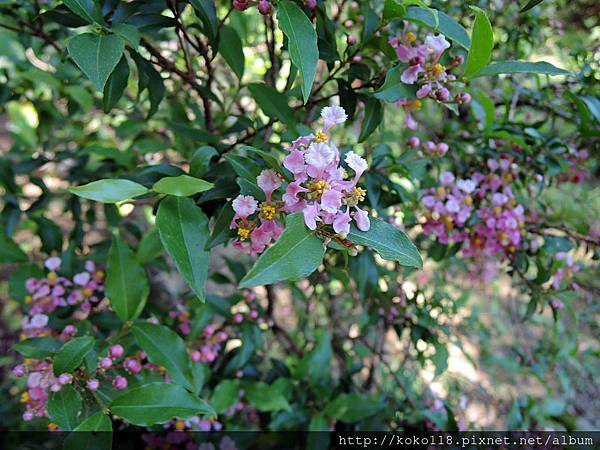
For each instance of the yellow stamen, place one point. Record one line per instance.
(410, 37)
(267, 211)
(359, 193)
(441, 191)
(243, 233)
(52, 426)
(24, 397)
(87, 292)
(320, 187)
(179, 425)
(28, 299)
(100, 274)
(51, 276)
(320, 137)
(497, 210)
(437, 70)
(416, 104)
(468, 200)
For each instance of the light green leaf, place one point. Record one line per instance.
(109, 191)
(442, 23)
(296, 254)
(390, 242)
(64, 407)
(126, 281)
(183, 229)
(302, 42)
(266, 397)
(232, 50)
(157, 403)
(272, 102)
(38, 347)
(343, 407)
(499, 67)
(181, 186)
(71, 354)
(150, 247)
(96, 55)
(392, 9)
(225, 395)
(482, 43)
(165, 348)
(372, 119)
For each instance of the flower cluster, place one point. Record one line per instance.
(480, 211)
(424, 68)
(263, 6)
(319, 190)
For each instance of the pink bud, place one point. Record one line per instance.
(254, 314)
(19, 371)
(348, 23)
(241, 5)
(196, 356)
(132, 365)
(442, 148)
(116, 351)
(238, 318)
(69, 330)
(65, 378)
(413, 142)
(27, 416)
(93, 384)
(351, 40)
(357, 58)
(311, 4)
(120, 382)
(264, 7)
(106, 363)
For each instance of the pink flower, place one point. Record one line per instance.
(132, 365)
(291, 193)
(424, 91)
(311, 215)
(294, 162)
(269, 182)
(81, 278)
(264, 7)
(333, 115)
(120, 382)
(106, 363)
(318, 157)
(39, 321)
(244, 205)
(341, 223)
(446, 178)
(116, 351)
(362, 220)
(410, 75)
(331, 200)
(93, 384)
(466, 186)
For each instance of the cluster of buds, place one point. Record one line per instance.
(565, 273)
(319, 190)
(263, 6)
(480, 211)
(210, 345)
(84, 290)
(424, 67)
(429, 148)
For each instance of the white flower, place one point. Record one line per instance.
(244, 205)
(333, 115)
(466, 186)
(39, 321)
(437, 43)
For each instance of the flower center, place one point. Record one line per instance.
(320, 187)
(359, 193)
(267, 211)
(244, 233)
(410, 38)
(437, 70)
(320, 137)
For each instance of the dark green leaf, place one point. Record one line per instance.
(393, 89)
(207, 13)
(442, 23)
(71, 354)
(296, 254)
(393, 10)
(96, 55)
(221, 231)
(272, 102)
(302, 42)
(225, 395)
(126, 281)
(232, 50)
(183, 229)
(157, 403)
(10, 252)
(372, 119)
(150, 247)
(88, 10)
(530, 4)
(38, 347)
(64, 407)
(116, 84)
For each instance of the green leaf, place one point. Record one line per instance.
(343, 407)
(149, 79)
(499, 67)
(393, 89)
(157, 403)
(96, 55)
(64, 407)
(390, 242)
(393, 10)
(530, 4)
(482, 43)
(126, 281)
(88, 10)
(221, 230)
(181, 186)
(150, 247)
(207, 13)
(273, 103)
(116, 84)
(316, 364)
(200, 161)
(109, 191)
(232, 50)
(165, 348)
(183, 229)
(10, 252)
(244, 167)
(96, 422)
(225, 395)
(128, 32)
(266, 397)
(296, 254)
(38, 347)
(71, 354)
(302, 42)
(372, 119)
(439, 21)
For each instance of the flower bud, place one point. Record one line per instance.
(264, 7)
(65, 378)
(106, 363)
(116, 351)
(132, 365)
(351, 39)
(120, 382)
(93, 384)
(413, 142)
